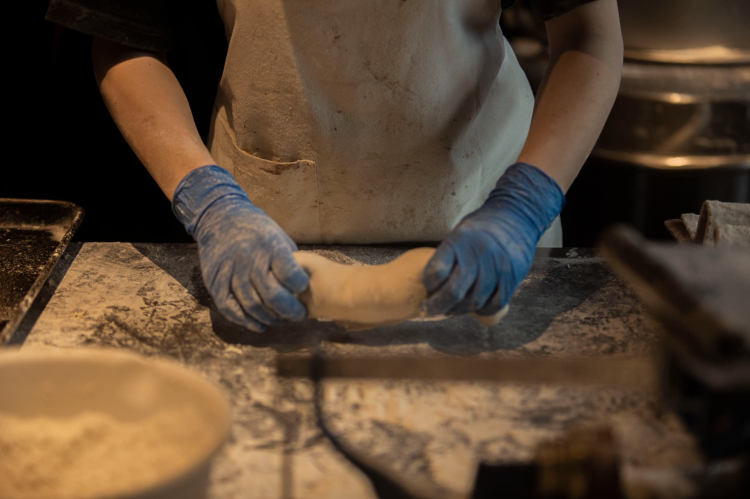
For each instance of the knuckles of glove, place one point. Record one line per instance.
(240, 248)
(477, 268)
(482, 262)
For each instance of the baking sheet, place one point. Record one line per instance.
(33, 236)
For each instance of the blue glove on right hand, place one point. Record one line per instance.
(482, 261)
(246, 258)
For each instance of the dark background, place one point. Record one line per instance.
(63, 144)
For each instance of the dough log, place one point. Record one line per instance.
(364, 297)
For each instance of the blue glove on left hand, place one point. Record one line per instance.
(246, 259)
(481, 263)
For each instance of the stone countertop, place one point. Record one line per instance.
(150, 299)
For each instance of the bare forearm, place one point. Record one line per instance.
(577, 92)
(150, 109)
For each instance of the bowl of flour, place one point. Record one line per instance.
(105, 424)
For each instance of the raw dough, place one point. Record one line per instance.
(363, 297)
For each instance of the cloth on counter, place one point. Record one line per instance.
(678, 231)
(719, 224)
(715, 214)
(737, 235)
(690, 221)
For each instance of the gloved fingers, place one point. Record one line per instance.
(278, 298)
(220, 284)
(231, 309)
(497, 301)
(506, 283)
(455, 288)
(439, 268)
(288, 272)
(251, 303)
(290, 242)
(503, 292)
(484, 286)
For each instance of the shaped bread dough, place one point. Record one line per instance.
(368, 296)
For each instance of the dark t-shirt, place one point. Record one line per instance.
(141, 24)
(545, 10)
(156, 25)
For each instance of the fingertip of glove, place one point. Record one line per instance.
(425, 310)
(290, 274)
(434, 305)
(242, 320)
(299, 311)
(256, 327)
(296, 281)
(438, 268)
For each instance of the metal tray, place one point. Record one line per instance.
(33, 237)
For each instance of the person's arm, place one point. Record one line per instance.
(151, 110)
(246, 259)
(481, 263)
(578, 90)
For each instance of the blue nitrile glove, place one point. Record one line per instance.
(246, 258)
(483, 260)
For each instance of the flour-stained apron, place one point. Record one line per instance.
(369, 121)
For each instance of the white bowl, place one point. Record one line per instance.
(66, 382)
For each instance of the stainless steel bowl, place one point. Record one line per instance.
(686, 31)
(680, 117)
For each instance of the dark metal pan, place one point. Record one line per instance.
(33, 237)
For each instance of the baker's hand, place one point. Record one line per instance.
(246, 258)
(481, 263)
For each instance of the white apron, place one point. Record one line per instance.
(369, 121)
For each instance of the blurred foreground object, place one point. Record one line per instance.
(700, 294)
(95, 423)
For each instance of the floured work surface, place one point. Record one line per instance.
(150, 299)
(33, 236)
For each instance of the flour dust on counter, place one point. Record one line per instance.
(150, 299)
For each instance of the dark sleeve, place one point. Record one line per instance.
(544, 10)
(141, 24)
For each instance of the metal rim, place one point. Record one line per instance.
(702, 55)
(676, 162)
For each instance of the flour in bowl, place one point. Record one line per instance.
(94, 454)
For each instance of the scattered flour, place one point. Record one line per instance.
(93, 454)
